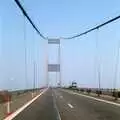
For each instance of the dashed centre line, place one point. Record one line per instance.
(70, 105)
(61, 97)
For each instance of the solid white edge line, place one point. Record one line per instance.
(97, 99)
(24, 106)
(70, 105)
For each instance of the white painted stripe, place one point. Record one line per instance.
(70, 106)
(58, 114)
(24, 106)
(61, 97)
(59, 117)
(97, 99)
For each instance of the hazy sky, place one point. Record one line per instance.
(56, 18)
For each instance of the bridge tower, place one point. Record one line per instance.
(56, 67)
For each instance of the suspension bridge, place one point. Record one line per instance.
(38, 89)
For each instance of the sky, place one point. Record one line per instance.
(59, 18)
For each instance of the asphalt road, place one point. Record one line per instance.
(42, 109)
(75, 107)
(56, 104)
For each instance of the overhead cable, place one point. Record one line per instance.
(72, 37)
(92, 29)
(29, 19)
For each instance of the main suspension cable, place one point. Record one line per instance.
(92, 29)
(29, 19)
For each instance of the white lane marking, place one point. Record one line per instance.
(70, 105)
(58, 114)
(59, 117)
(24, 106)
(61, 97)
(97, 99)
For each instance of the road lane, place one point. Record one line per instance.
(66, 112)
(41, 109)
(57, 104)
(84, 108)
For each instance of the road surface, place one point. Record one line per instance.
(57, 104)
